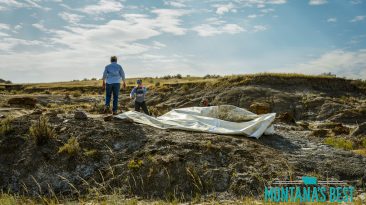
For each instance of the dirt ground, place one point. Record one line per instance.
(138, 160)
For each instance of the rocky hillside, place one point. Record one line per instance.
(320, 131)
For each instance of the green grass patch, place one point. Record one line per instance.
(339, 143)
(135, 164)
(360, 152)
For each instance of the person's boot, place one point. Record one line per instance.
(115, 113)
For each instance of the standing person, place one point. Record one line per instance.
(112, 76)
(139, 93)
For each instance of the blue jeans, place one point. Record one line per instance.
(112, 89)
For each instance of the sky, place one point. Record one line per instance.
(62, 40)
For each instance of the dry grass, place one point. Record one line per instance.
(40, 131)
(5, 126)
(72, 147)
(360, 151)
(91, 86)
(76, 94)
(114, 199)
(289, 75)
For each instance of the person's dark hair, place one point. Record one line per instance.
(114, 59)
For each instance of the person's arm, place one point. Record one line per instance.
(133, 92)
(105, 73)
(122, 74)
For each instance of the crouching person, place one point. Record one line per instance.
(139, 93)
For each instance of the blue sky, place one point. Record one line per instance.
(60, 40)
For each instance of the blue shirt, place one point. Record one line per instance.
(113, 73)
(140, 93)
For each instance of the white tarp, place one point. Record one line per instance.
(223, 119)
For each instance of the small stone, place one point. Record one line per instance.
(80, 115)
(2, 116)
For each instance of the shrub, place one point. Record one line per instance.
(209, 144)
(185, 87)
(76, 94)
(167, 77)
(211, 76)
(72, 147)
(364, 142)
(5, 126)
(98, 107)
(135, 164)
(41, 131)
(339, 143)
(157, 84)
(90, 153)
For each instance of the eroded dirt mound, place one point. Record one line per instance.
(139, 160)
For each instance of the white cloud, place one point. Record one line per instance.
(79, 50)
(4, 34)
(168, 20)
(205, 30)
(71, 18)
(18, 27)
(355, 2)
(178, 4)
(358, 18)
(158, 45)
(10, 4)
(317, 2)
(332, 20)
(277, 1)
(103, 6)
(343, 63)
(4, 26)
(224, 8)
(252, 16)
(7, 44)
(258, 3)
(40, 26)
(269, 10)
(259, 28)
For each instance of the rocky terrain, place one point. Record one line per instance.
(320, 131)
